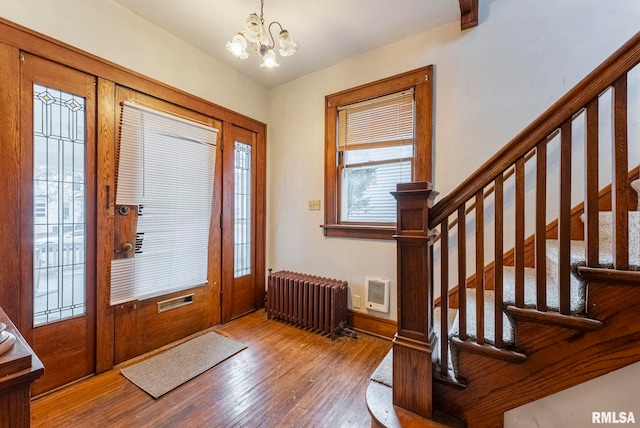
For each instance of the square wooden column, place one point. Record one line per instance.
(413, 344)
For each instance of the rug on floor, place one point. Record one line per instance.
(170, 369)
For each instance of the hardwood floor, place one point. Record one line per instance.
(287, 377)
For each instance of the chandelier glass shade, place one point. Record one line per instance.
(258, 36)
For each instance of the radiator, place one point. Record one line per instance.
(307, 301)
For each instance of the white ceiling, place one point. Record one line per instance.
(328, 31)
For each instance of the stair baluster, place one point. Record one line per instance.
(555, 322)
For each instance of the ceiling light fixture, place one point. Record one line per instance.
(258, 37)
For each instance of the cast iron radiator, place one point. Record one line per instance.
(307, 301)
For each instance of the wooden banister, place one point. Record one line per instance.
(498, 257)
(472, 206)
(565, 108)
(591, 200)
(620, 183)
(467, 203)
(468, 206)
(462, 272)
(564, 220)
(444, 295)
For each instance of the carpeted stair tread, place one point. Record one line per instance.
(578, 293)
(553, 290)
(489, 318)
(509, 283)
(576, 255)
(605, 240)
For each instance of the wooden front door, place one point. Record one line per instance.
(57, 252)
(242, 281)
(147, 323)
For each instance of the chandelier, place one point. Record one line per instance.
(258, 37)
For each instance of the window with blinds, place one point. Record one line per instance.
(166, 168)
(375, 147)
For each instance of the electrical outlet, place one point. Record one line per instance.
(356, 301)
(314, 204)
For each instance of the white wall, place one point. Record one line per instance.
(617, 391)
(490, 82)
(109, 31)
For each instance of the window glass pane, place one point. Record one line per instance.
(59, 205)
(242, 213)
(376, 139)
(379, 154)
(366, 191)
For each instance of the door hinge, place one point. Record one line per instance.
(220, 221)
(221, 298)
(221, 144)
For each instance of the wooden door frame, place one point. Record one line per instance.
(13, 39)
(258, 233)
(60, 77)
(147, 327)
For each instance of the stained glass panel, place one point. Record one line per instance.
(59, 251)
(242, 214)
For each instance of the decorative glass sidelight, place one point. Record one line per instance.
(59, 217)
(242, 214)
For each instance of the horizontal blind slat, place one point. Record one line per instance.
(166, 165)
(388, 118)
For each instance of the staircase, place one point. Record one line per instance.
(558, 307)
(543, 352)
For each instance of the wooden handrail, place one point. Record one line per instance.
(416, 222)
(566, 107)
(555, 124)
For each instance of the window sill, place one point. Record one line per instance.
(358, 231)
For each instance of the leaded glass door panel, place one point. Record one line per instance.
(239, 230)
(58, 179)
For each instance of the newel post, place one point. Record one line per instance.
(413, 344)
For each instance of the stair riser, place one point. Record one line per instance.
(557, 358)
(494, 387)
(606, 301)
(531, 337)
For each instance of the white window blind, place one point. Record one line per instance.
(380, 122)
(376, 146)
(166, 168)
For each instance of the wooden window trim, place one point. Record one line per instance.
(421, 80)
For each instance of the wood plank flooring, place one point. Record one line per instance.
(287, 377)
